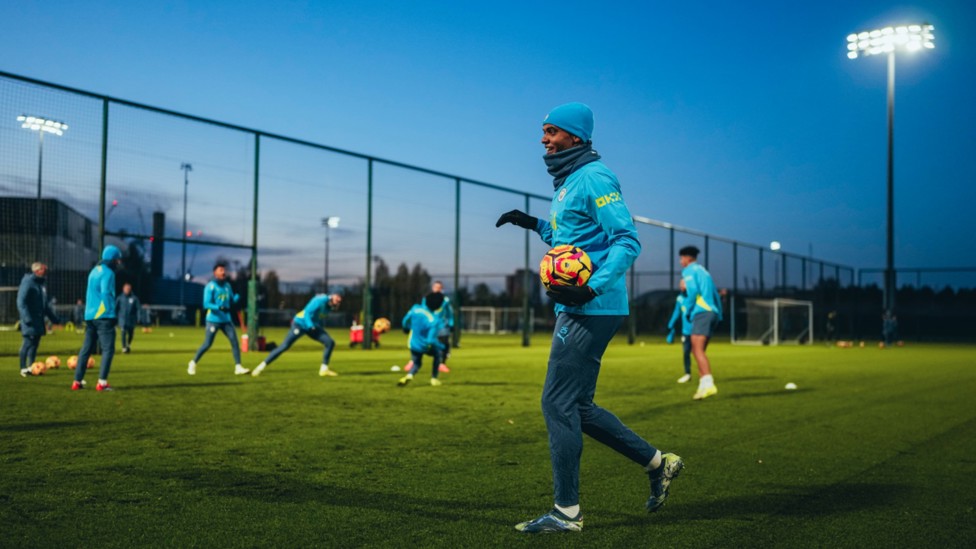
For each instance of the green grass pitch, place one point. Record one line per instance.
(876, 448)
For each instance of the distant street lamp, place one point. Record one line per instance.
(187, 168)
(329, 223)
(907, 38)
(775, 246)
(42, 126)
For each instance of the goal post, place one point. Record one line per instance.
(492, 320)
(776, 321)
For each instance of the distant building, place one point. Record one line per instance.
(514, 284)
(67, 240)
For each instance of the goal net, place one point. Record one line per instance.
(492, 320)
(774, 322)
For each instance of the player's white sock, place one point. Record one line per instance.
(706, 382)
(572, 511)
(103, 382)
(654, 463)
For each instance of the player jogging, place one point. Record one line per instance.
(680, 308)
(424, 326)
(310, 321)
(99, 319)
(587, 211)
(704, 311)
(218, 296)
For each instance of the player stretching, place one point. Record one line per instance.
(587, 211)
(311, 322)
(680, 308)
(704, 311)
(217, 299)
(424, 326)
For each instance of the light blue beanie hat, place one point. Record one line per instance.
(575, 118)
(111, 253)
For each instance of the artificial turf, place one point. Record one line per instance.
(875, 448)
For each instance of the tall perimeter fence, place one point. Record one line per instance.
(178, 192)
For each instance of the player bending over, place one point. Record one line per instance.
(309, 322)
(424, 327)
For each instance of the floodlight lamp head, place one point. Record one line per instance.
(41, 124)
(330, 222)
(909, 38)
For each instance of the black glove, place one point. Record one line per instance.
(406, 330)
(224, 308)
(571, 296)
(516, 217)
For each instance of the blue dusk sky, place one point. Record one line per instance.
(740, 119)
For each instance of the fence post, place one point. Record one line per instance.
(252, 284)
(456, 330)
(762, 286)
(104, 179)
(671, 259)
(368, 287)
(526, 329)
(632, 317)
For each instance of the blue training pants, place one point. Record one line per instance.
(211, 331)
(101, 331)
(28, 350)
(294, 334)
(686, 351)
(578, 345)
(418, 360)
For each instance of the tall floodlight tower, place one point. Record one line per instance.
(888, 41)
(42, 126)
(329, 223)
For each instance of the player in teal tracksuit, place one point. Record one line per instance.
(680, 308)
(309, 321)
(218, 296)
(424, 326)
(99, 319)
(587, 211)
(704, 311)
(444, 313)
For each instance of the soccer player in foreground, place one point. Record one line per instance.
(99, 319)
(587, 211)
(218, 296)
(704, 311)
(311, 322)
(33, 306)
(680, 308)
(424, 326)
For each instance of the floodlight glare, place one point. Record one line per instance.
(886, 40)
(37, 123)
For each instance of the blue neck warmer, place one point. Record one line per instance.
(563, 163)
